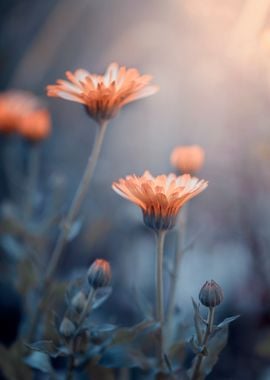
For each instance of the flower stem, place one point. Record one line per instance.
(32, 179)
(87, 307)
(70, 367)
(76, 203)
(63, 237)
(159, 293)
(197, 375)
(176, 268)
(71, 359)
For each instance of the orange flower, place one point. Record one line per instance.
(160, 198)
(36, 126)
(188, 159)
(22, 112)
(103, 95)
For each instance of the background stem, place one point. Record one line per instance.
(159, 295)
(31, 179)
(181, 230)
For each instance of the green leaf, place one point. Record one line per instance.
(227, 321)
(216, 343)
(101, 295)
(194, 346)
(74, 230)
(48, 347)
(76, 286)
(40, 361)
(198, 322)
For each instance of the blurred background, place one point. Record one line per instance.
(211, 60)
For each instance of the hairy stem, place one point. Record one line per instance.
(67, 223)
(197, 375)
(159, 293)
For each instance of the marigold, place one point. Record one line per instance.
(188, 159)
(22, 112)
(160, 198)
(103, 95)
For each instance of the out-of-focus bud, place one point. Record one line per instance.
(211, 294)
(188, 159)
(79, 301)
(67, 328)
(99, 274)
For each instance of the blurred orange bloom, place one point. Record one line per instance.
(22, 112)
(161, 197)
(103, 95)
(188, 159)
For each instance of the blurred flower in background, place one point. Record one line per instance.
(188, 159)
(23, 113)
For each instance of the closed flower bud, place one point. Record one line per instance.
(211, 294)
(67, 328)
(99, 274)
(79, 301)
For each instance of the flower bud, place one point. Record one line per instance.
(79, 301)
(211, 294)
(67, 328)
(99, 274)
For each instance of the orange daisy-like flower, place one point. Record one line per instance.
(188, 159)
(103, 95)
(24, 113)
(161, 197)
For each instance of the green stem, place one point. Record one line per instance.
(176, 268)
(179, 251)
(197, 375)
(87, 307)
(76, 203)
(159, 293)
(32, 179)
(67, 223)
(70, 367)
